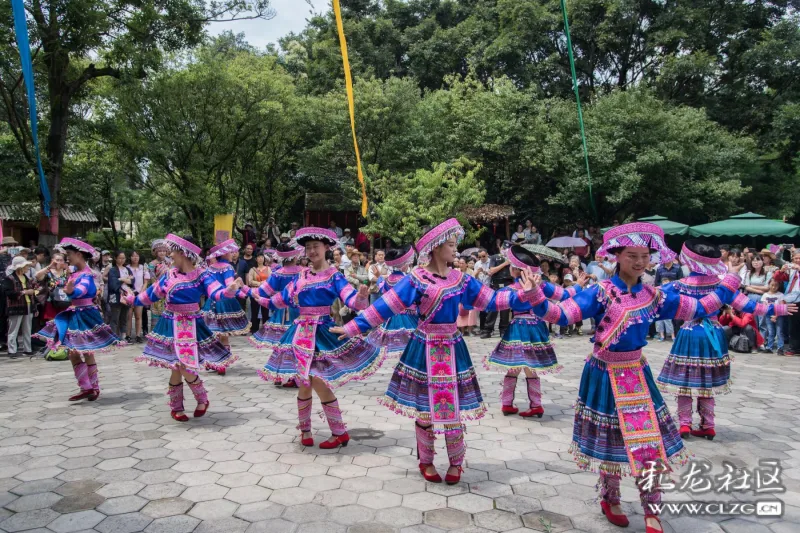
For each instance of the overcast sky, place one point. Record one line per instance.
(290, 16)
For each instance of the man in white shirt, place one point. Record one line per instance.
(377, 270)
(347, 239)
(336, 229)
(482, 268)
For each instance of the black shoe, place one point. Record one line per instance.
(780, 351)
(485, 335)
(768, 351)
(29, 354)
(14, 355)
(762, 350)
(138, 340)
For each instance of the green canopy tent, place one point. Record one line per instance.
(746, 225)
(670, 227)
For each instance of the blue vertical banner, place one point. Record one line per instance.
(21, 29)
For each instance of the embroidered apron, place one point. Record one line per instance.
(440, 354)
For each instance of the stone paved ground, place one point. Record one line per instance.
(122, 465)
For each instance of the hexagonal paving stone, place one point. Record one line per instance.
(292, 496)
(35, 487)
(371, 528)
(347, 471)
(160, 476)
(68, 523)
(123, 488)
(380, 499)
(362, 484)
(336, 498)
(548, 522)
(518, 504)
(320, 483)
(470, 503)
(308, 512)
(399, 516)
(259, 511)
(424, 501)
(160, 491)
(322, 527)
(448, 519)
(497, 520)
(38, 473)
(173, 524)
(166, 507)
(78, 487)
(28, 520)
(280, 481)
(278, 525)
(31, 502)
(240, 479)
(198, 478)
(124, 523)
(79, 502)
(351, 514)
(203, 493)
(122, 505)
(226, 525)
(248, 494)
(213, 510)
(194, 465)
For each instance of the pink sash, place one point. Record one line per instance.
(303, 344)
(442, 378)
(637, 417)
(186, 341)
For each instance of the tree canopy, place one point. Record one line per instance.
(691, 110)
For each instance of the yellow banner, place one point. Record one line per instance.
(223, 228)
(348, 82)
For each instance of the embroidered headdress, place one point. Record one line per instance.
(707, 261)
(68, 243)
(638, 235)
(190, 250)
(400, 257)
(225, 247)
(438, 236)
(305, 235)
(522, 259)
(159, 245)
(286, 252)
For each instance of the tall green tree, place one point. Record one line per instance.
(78, 41)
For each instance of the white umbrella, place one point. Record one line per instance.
(566, 242)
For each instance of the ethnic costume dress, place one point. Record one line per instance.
(226, 316)
(308, 349)
(393, 335)
(698, 363)
(622, 424)
(526, 341)
(80, 327)
(181, 335)
(434, 381)
(280, 319)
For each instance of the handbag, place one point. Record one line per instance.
(739, 344)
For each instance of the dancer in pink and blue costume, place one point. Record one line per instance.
(225, 317)
(308, 352)
(280, 319)
(435, 381)
(80, 328)
(181, 341)
(526, 345)
(393, 335)
(698, 362)
(622, 424)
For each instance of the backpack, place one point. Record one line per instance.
(739, 344)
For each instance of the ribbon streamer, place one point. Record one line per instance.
(348, 81)
(21, 30)
(578, 100)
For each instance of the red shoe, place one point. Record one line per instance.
(533, 411)
(290, 384)
(433, 478)
(341, 440)
(81, 395)
(510, 410)
(453, 479)
(221, 371)
(708, 433)
(685, 431)
(651, 529)
(307, 442)
(617, 519)
(179, 417)
(198, 413)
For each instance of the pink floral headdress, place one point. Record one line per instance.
(637, 235)
(438, 236)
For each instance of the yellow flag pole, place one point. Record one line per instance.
(348, 81)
